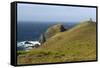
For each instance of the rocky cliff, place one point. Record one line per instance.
(51, 31)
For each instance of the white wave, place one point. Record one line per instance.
(27, 45)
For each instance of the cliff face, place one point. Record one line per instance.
(42, 38)
(51, 31)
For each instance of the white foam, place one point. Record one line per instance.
(27, 46)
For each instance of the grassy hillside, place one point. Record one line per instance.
(76, 44)
(53, 30)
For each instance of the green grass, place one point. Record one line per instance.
(21, 52)
(76, 44)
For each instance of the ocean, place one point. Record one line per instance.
(32, 31)
(27, 32)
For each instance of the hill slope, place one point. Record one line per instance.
(76, 44)
(51, 31)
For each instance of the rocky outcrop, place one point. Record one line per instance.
(42, 38)
(51, 31)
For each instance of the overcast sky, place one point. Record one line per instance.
(49, 13)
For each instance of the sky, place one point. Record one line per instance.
(53, 13)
